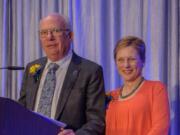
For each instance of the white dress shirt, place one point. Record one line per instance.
(60, 76)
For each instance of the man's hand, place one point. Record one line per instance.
(66, 132)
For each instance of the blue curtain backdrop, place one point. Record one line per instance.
(97, 25)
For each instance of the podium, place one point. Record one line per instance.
(17, 120)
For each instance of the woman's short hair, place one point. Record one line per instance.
(133, 41)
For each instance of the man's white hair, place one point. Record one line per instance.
(65, 18)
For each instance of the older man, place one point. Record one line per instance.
(63, 85)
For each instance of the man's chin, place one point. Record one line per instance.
(54, 57)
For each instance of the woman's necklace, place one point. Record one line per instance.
(133, 90)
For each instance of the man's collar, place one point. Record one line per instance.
(60, 62)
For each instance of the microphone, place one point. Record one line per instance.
(12, 68)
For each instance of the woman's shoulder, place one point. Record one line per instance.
(113, 94)
(155, 87)
(154, 83)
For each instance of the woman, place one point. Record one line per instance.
(139, 107)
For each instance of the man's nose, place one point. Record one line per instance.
(50, 34)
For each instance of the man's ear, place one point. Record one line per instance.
(71, 35)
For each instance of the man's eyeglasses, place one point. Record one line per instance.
(54, 32)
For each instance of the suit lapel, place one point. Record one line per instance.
(35, 83)
(70, 79)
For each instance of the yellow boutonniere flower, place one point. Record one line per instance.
(35, 71)
(34, 68)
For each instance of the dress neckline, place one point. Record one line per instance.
(133, 92)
